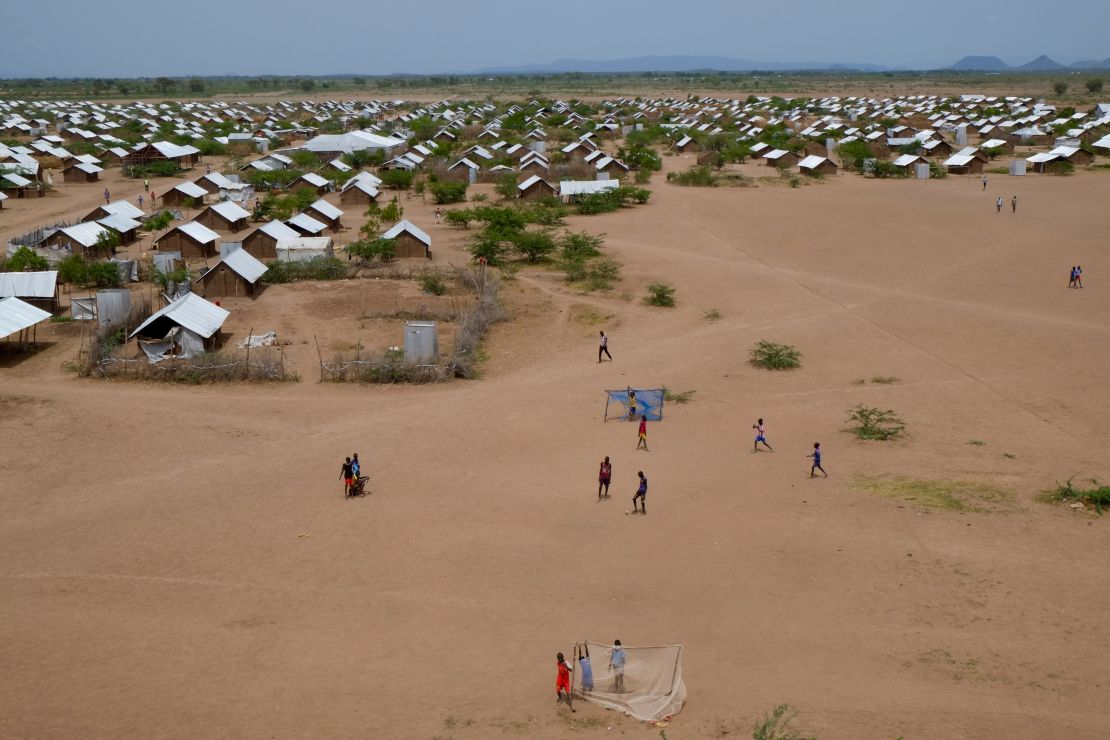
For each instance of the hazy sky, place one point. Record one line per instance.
(143, 38)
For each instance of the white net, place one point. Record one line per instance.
(648, 688)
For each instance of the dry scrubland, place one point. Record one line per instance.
(180, 562)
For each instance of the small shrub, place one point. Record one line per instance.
(448, 192)
(680, 398)
(396, 179)
(533, 245)
(976, 442)
(795, 181)
(433, 283)
(459, 217)
(382, 250)
(698, 176)
(884, 379)
(660, 294)
(1098, 495)
(771, 356)
(875, 424)
(773, 726)
(580, 245)
(320, 268)
(712, 315)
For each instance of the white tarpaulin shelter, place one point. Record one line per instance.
(260, 340)
(652, 681)
(303, 248)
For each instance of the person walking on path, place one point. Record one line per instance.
(107, 196)
(616, 665)
(562, 681)
(984, 182)
(347, 474)
(140, 201)
(603, 348)
(1079, 276)
(998, 205)
(439, 215)
(1013, 204)
(208, 169)
(641, 493)
(604, 477)
(643, 434)
(816, 461)
(1071, 277)
(146, 185)
(760, 436)
(585, 670)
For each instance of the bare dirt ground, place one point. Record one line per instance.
(180, 561)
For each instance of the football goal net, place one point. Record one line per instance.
(646, 683)
(648, 402)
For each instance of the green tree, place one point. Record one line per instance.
(396, 179)
(371, 249)
(26, 260)
(1094, 85)
(72, 270)
(164, 84)
(393, 212)
(1060, 88)
(305, 160)
(448, 192)
(308, 85)
(196, 85)
(506, 186)
(534, 245)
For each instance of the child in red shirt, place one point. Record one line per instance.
(562, 682)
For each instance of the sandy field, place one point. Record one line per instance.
(180, 562)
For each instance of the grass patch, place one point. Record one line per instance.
(771, 356)
(1008, 456)
(433, 283)
(976, 443)
(588, 315)
(683, 397)
(60, 319)
(775, 725)
(697, 176)
(998, 170)
(938, 494)
(660, 294)
(712, 315)
(876, 424)
(1098, 495)
(884, 379)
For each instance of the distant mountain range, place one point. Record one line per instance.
(1040, 64)
(674, 64)
(690, 63)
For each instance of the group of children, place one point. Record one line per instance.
(605, 477)
(563, 689)
(998, 204)
(1076, 279)
(351, 473)
(761, 439)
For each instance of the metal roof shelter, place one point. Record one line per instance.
(40, 284)
(586, 187)
(190, 312)
(17, 316)
(244, 265)
(407, 227)
(307, 223)
(326, 209)
(198, 232)
(229, 210)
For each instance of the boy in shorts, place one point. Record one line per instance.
(604, 476)
(641, 494)
(759, 436)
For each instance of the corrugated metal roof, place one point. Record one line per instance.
(118, 223)
(190, 189)
(124, 208)
(279, 230)
(229, 210)
(16, 315)
(220, 181)
(326, 209)
(191, 312)
(198, 232)
(86, 234)
(28, 284)
(958, 160)
(243, 264)
(314, 180)
(407, 226)
(811, 161)
(306, 222)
